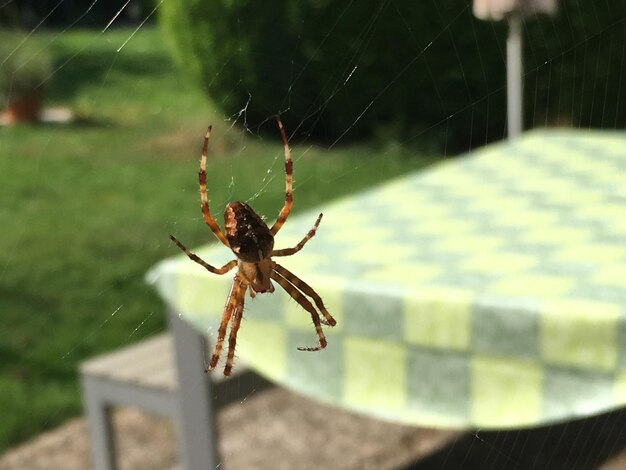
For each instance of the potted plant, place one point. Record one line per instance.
(23, 69)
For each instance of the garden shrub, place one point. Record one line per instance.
(576, 63)
(405, 70)
(29, 14)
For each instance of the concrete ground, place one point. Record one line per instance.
(273, 429)
(276, 429)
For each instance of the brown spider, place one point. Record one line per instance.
(252, 242)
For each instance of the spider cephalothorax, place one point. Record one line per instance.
(252, 242)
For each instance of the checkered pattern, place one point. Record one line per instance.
(487, 291)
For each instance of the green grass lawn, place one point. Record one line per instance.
(87, 208)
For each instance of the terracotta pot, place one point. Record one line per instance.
(25, 108)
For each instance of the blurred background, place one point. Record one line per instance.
(106, 103)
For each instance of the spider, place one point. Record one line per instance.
(252, 242)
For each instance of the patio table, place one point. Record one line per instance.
(487, 291)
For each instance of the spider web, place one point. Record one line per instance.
(486, 450)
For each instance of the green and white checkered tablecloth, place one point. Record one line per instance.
(487, 291)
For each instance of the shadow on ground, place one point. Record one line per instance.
(581, 444)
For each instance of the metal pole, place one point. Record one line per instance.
(514, 76)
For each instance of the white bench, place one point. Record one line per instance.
(146, 375)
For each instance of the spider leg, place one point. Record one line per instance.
(223, 270)
(284, 212)
(231, 305)
(306, 289)
(234, 328)
(299, 297)
(299, 246)
(206, 212)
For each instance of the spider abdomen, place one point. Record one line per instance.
(249, 237)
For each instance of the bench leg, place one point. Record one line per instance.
(197, 426)
(98, 420)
